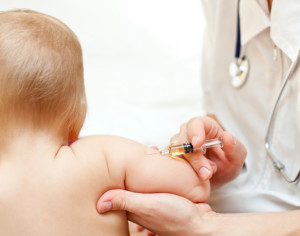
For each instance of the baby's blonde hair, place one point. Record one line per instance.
(41, 74)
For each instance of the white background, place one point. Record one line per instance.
(142, 62)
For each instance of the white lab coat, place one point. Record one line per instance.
(246, 111)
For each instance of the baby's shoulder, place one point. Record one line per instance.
(100, 145)
(86, 151)
(87, 162)
(103, 154)
(91, 145)
(94, 154)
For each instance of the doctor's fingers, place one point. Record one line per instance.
(196, 130)
(235, 151)
(142, 209)
(151, 209)
(199, 129)
(204, 167)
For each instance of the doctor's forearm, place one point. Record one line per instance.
(252, 224)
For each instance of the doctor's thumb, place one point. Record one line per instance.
(112, 200)
(118, 199)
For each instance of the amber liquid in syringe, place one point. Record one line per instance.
(175, 150)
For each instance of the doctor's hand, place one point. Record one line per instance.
(161, 213)
(218, 165)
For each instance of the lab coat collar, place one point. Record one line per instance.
(254, 18)
(284, 23)
(285, 26)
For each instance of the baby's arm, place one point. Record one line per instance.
(129, 167)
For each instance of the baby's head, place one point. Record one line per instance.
(41, 75)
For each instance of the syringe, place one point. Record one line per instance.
(175, 150)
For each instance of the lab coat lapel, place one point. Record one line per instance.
(285, 26)
(253, 19)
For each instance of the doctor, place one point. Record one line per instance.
(261, 200)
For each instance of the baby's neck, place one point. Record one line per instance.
(28, 144)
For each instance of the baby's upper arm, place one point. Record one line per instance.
(128, 165)
(156, 173)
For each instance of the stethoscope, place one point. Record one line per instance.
(238, 71)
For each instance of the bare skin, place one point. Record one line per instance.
(47, 188)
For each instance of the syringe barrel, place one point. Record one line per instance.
(180, 149)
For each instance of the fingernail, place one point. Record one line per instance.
(204, 173)
(194, 140)
(105, 207)
(233, 140)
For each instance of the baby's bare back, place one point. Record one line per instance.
(46, 196)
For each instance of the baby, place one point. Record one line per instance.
(46, 186)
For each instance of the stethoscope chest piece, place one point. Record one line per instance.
(238, 71)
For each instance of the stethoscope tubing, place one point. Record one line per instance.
(238, 34)
(277, 164)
